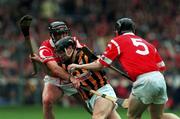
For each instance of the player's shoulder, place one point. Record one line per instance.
(44, 42)
(119, 39)
(47, 44)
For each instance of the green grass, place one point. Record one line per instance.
(35, 112)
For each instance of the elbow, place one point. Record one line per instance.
(100, 66)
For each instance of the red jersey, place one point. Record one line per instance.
(47, 51)
(136, 55)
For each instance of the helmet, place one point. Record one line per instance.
(58, 28)
(64, 43)
(124, 25)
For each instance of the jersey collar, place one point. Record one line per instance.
(128, 33)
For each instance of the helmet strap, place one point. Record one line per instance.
(73, 55)
(116, 33)
(53, 39)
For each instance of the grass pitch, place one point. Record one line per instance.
(35, 112)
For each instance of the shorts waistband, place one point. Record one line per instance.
(147, 74)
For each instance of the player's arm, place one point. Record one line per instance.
(57, 71)
(36, 58)
(47, 57)
(61, 73)
(111, 52)
(96, 65)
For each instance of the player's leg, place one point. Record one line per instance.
(114, 115)
(102, 108)
(50, 95)
(169, 116)
(136, 108)
(156, 111)
(160, 97)
(164, 115)
(82, 102)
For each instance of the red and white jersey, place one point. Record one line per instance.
(47, 50)
(136, 55)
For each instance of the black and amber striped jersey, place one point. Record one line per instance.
(90, 79)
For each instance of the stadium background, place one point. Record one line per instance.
(92, 21)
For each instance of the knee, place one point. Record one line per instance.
(99, 115)
(157, 117)
(133, 116)
(114, 115)
(47, 101)
(169, 116)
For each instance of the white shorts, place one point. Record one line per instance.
(66, 87)
(150, 88)
(106, 89)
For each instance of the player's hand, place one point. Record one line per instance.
(75, 82)
(72, 67)
(35, 57)
(125, 103)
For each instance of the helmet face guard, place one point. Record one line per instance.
(58, 30)
(124, 25)
(62, 45)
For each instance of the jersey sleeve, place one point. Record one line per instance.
(111, 52)
(46, 54)
(160, 63)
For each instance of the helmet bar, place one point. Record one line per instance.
(63, 43)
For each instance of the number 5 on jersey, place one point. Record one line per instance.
(138, 42)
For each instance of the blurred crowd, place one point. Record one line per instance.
(92, 21)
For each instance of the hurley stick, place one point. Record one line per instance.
(93, 56)
(24, 24)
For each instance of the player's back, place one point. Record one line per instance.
(137, 56)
